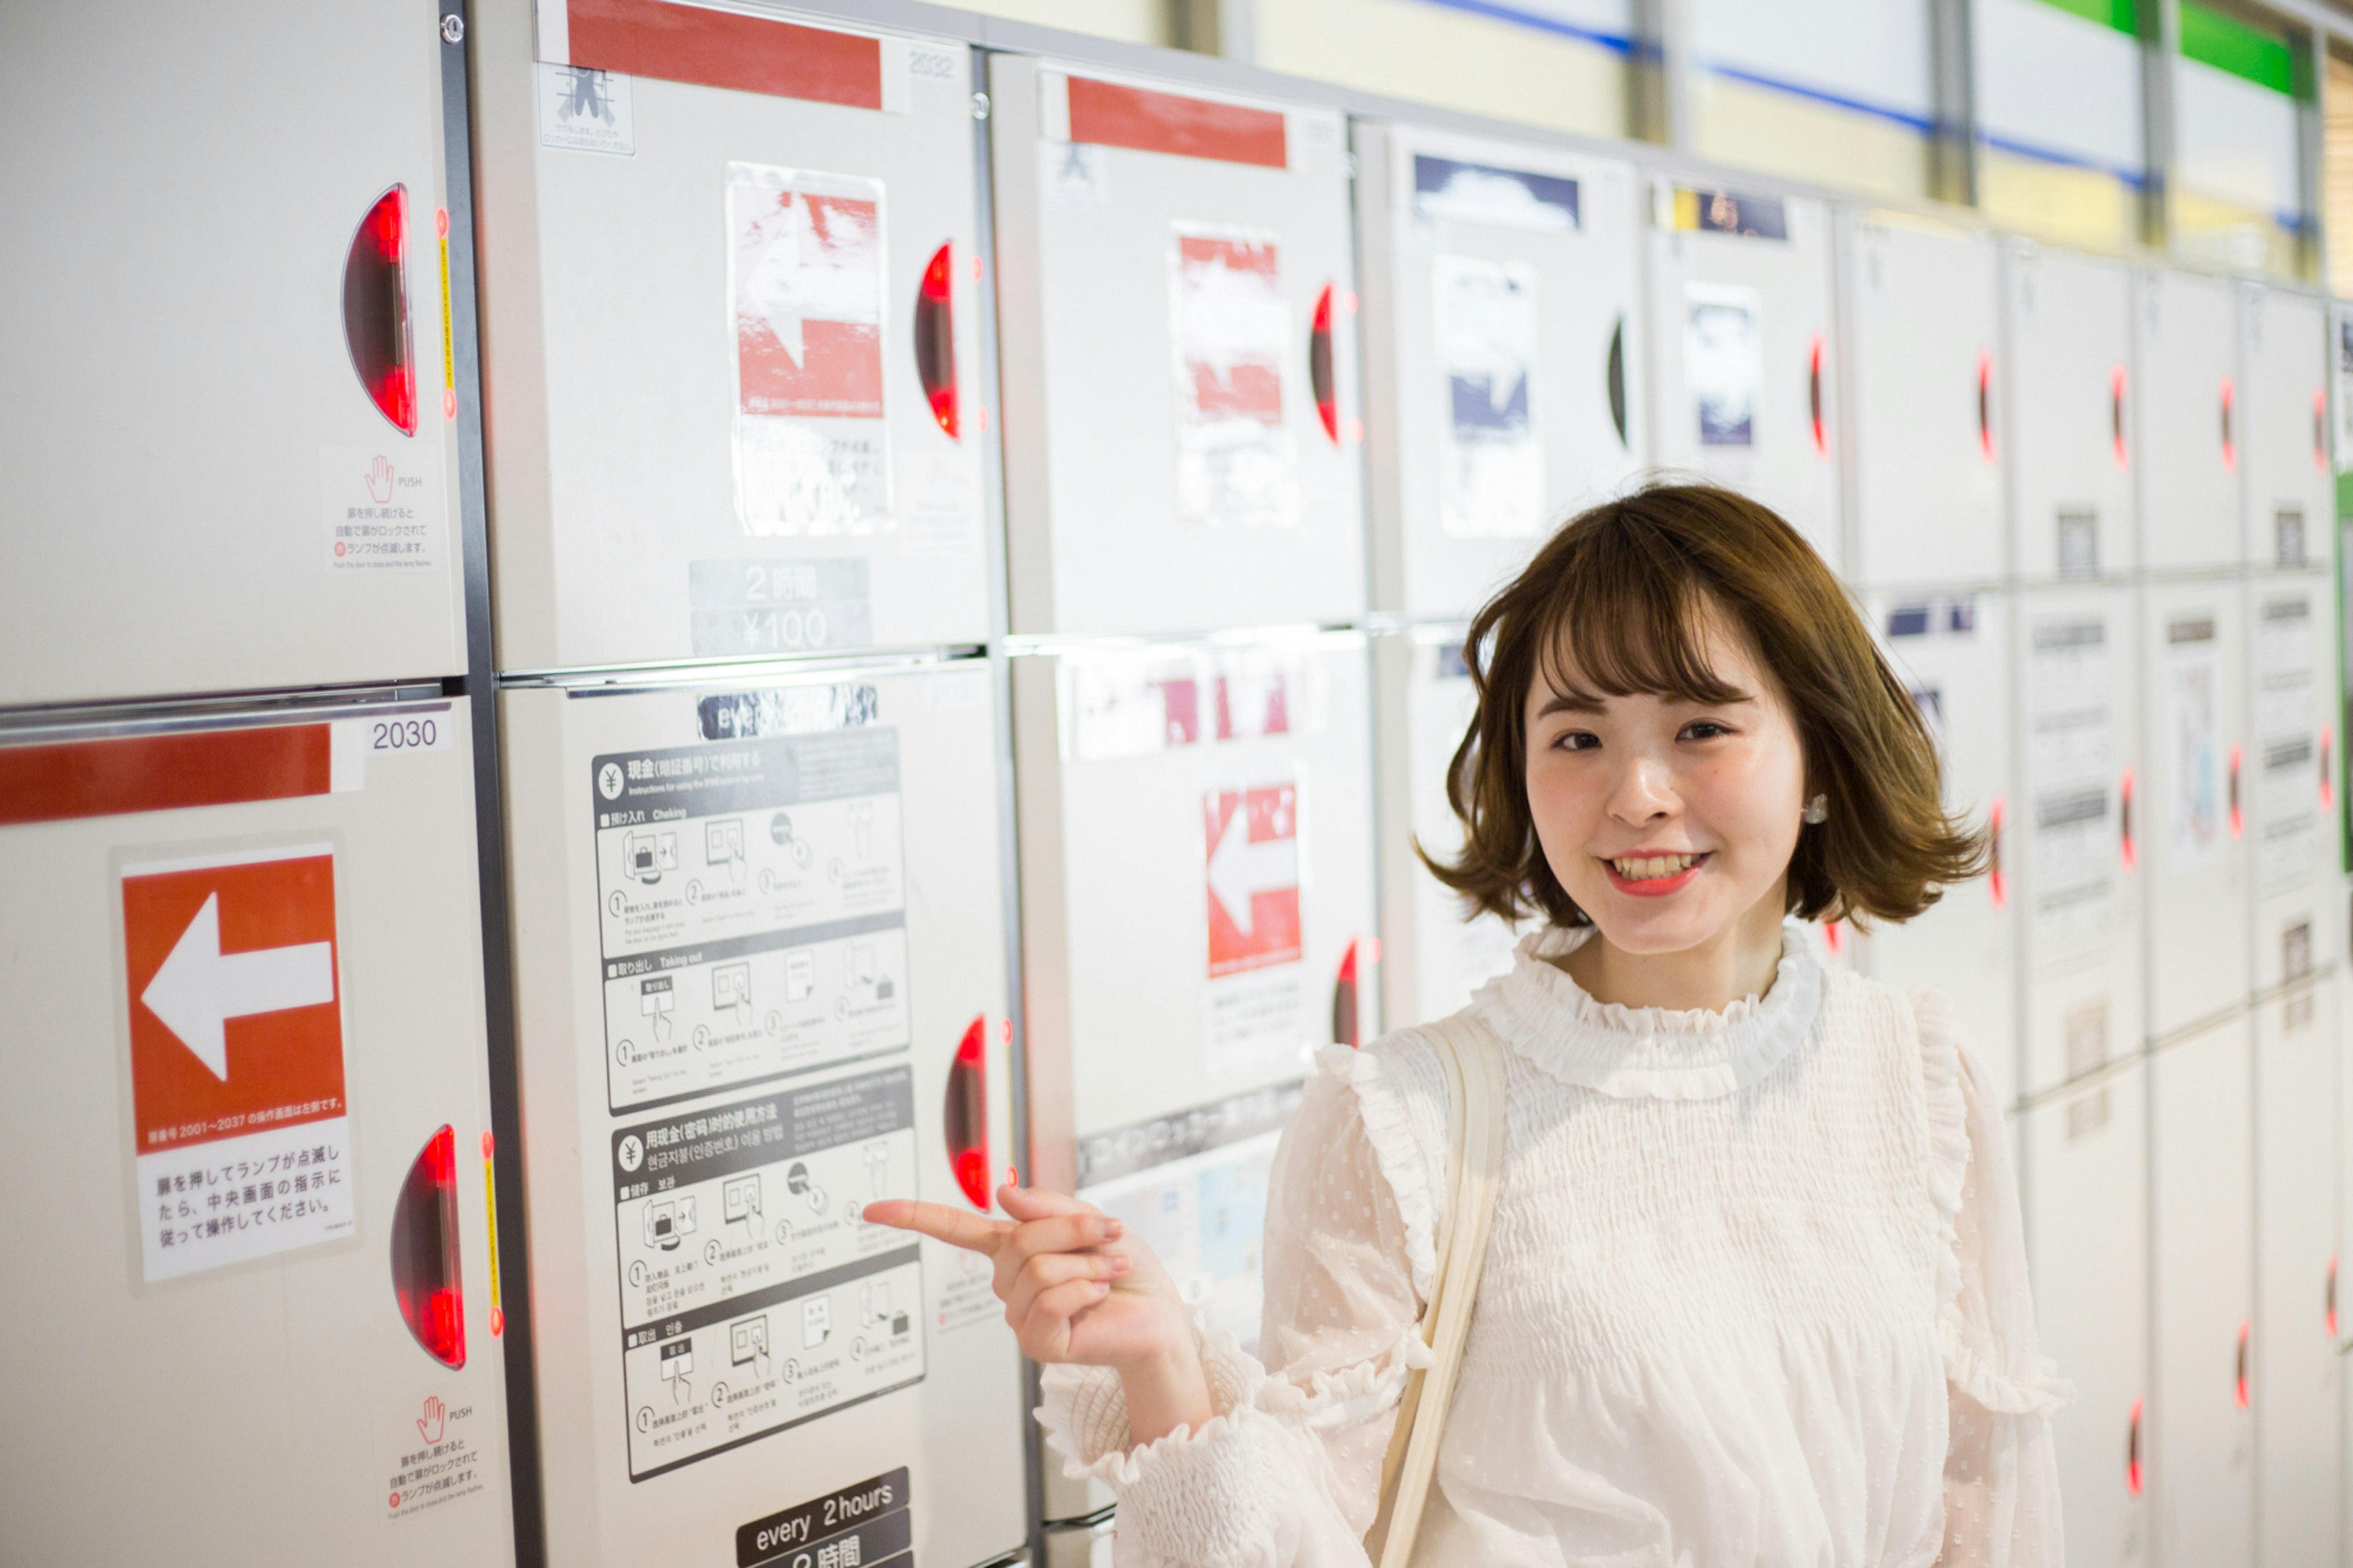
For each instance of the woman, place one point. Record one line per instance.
(1756, 1292)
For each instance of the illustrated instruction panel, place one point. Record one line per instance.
(2069, 765)
(753, 910)
(753, 1297)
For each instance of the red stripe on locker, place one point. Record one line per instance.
(1116, 116)
(719, 48)
(162, 772)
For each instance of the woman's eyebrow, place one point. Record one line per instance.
(1571, 702)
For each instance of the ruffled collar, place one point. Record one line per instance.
(1632, 1053)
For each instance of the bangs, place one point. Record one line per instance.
(1626, 617)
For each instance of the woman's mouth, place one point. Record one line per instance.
(1654, 876)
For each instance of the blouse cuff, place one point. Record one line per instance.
(1996, 1392)
(1389, 1130)
(1084, 1410)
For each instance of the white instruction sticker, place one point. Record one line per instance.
(583, 110)
(381, 508)
(1230, 324)
(1491, 463)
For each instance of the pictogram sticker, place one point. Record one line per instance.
(1254, 843)
(230, 965)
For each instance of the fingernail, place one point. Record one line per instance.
(1113, 1229)
(1120, 1266)
(1102, 1291)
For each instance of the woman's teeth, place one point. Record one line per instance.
(1652, 866)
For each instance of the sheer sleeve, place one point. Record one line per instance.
(1287, 1473)
(2001, 1476)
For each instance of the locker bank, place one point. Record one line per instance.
(626, 625)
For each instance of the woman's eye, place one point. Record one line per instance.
(1576, 740)
(1705, 729)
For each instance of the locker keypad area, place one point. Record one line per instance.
(751, 613)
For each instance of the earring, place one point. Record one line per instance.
(1818, 810)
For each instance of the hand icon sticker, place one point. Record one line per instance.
(428, 1425)
(379, 479)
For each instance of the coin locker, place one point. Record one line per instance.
(2067, 331)
(2292, 818)
(1924, 403)
(2187, 422)
(760, 954)
(1178, 299)
(2076, 867)
(2202, 1421)
(2086, 1206)
(1744, 365)
(731, 292)
(267, 1300)
(1951, 651)
(2291, 501)
(2192, 833)
(1503, 353)
(227, 425)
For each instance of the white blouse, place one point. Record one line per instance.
(1755, 1295)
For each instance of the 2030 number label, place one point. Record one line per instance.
(422, 734)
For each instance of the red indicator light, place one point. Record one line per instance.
(2229, 444)
(2124, 818)
(1985, 404)
(965, 1118)
(2240, 1379)
(2238, 818)
(2329, 764)
(2116, 411)
(441, 223)
(425, 1280)
(375, 310)
(498, 1321)
(1995, 885)
(975, 267)
(2132, 1452)
(936, 338)
(1814, 395)
(487, 1145)
(1348, 302)
(1319, 367)
(2328, 1300)
(2320, 431)
(1343, 1001)
(1372, 950)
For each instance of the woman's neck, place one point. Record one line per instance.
(1737, 961)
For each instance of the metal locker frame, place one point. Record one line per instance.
(1085, 287)
(968, 1496)
(2202, 1270)
(1584, 369)
(620, 473)
(2067, 333)
(186, 425)
(303, 1353)
(2283, 360)
(2188, 425)
(2086, 1200)
(2080, 977)
(1966, 943)
(1925, 446)
(2198, 915)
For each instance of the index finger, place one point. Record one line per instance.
(973, 1233)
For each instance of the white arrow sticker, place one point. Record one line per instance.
(200, 988)
(1239, 869)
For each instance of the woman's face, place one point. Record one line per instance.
(1667, 820)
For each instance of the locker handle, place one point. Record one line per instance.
(2116, 412)
(1320, 378)
(1615, 374)
(2238, 1387)
(425, 1280)
(2230, 442)
(2238, 817)
(2124, 818)
(1347, 1029)
(1814, 395)
(964, 1117)
(2327, 766)
(935, 338)
(1995, 886)
(2319, 430)
(1985, 404)
(2132, 1451)
(376, 308)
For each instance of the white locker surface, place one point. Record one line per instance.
(1924, 402)
(1431, 958)
(2297, 1394)
(2203, 1438)
(1197, 890)
(1504, 353)
(2188, 426)
(712, 362)
(2192, 829)
(185, 427)
(771, 900)
(2075, 867)
(260, 1011)
(1182, 448)
(2067, 328)
(2087, 1224)
(2294, 825)
(1744, 358)
(2291, 493)
(1952, 652)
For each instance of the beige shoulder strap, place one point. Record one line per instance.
(1472, 1060)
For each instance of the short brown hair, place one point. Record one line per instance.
(1620, 592)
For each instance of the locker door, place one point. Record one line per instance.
(229, 466)
(2068, 321)
(2201, 1429)
(769, 906)
(2291, 494)
(1145, 224)
(1924, 403)
(1503, 348)
(248, 950)
(732, 335)
(2076, 863)
(2087, 1219)
(2193, 830)
(1431, 958)
(1952, 651)
(2294, 822)
(1743, 367)
(2187, 423)
(2299, 1465)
